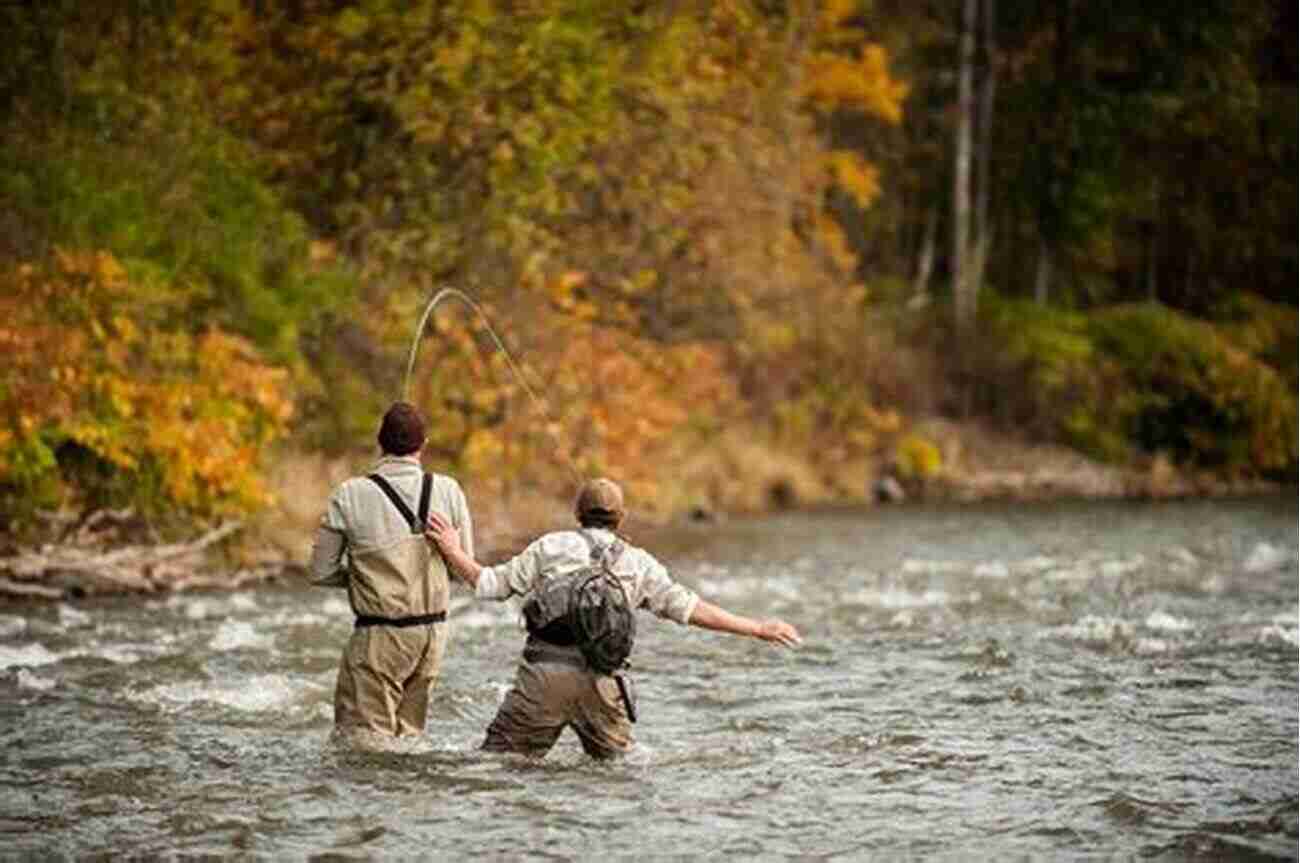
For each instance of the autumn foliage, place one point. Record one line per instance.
(105, 399)
(705, 232)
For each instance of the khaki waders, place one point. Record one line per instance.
(554, 688)
(399, 594)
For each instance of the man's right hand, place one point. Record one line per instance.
(779, 632)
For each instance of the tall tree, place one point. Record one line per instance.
(982, 238)
(959, 264)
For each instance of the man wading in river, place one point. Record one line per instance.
(556, 684)
(371, 541)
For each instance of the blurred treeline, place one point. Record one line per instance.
(716, 237)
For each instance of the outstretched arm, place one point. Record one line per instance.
(709, 616)
(446, 539)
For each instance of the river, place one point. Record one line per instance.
(1079, 681)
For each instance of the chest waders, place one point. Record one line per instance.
(417, 527)
(398, 591)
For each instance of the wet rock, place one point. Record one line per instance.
(887, 489)
(701, 514)
(781, 494)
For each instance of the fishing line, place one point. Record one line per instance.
(458, 294)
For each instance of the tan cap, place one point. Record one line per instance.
(600, 496)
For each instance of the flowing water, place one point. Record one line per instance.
(1077, 681)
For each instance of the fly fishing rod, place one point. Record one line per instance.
(538, 402)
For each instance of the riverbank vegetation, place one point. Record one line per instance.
(746, 252)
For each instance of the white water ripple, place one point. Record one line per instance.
(1265, 558)
(237, 634)
(897, 598)
(256, 694)
(34, 682)
(1164, 622)
(336, 607)
(11, 626)
(1097, 631)
(30, 655)
(72, 618)
(1284, 627)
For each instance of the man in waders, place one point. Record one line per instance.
(371, 541)
(555, 685)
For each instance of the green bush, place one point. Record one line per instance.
(1193, 394)
(1267, 331)
(1039, 367)
(1145, 379)
(178, 202)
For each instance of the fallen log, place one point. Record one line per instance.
(23, 589)
(55, 571)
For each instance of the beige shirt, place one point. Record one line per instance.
(360, 519)
(559, 553)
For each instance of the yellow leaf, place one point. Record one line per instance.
(855, 175)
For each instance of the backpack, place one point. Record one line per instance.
(592, 604)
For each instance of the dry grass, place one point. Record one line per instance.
(981, 462)
(738, 472)
(301, 483)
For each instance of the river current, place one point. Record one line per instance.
(1085, 681)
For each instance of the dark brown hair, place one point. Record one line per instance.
(402, 431)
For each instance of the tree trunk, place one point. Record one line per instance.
(983, 238)
(925, 257)
(978, 259)
(133, 14)
(1043, 278)
(964, 306)
(1056, 136)
(1152, 251)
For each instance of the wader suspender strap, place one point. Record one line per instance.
(426, 486)
(417, 525)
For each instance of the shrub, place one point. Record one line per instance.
(917, 458)
(1194, 394)
(101, 404)
(1041, 368)
(1134, 379)
(176, 202)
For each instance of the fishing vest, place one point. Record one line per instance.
(589, 608)
(404, 583)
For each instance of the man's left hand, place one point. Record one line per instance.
(439, 531)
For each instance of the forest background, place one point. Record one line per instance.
(748, 252)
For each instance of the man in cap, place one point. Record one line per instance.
(554, 686)
(370, 541)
